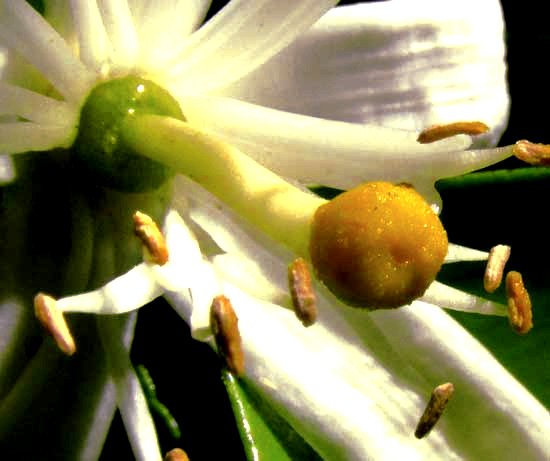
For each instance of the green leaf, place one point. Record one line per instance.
(262, 430)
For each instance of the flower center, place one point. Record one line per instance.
(99, 148)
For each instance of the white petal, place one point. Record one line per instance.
(333, 153)
(21, 137)
(458, 253)
(119, 25)
(398, 63)
(3, 59)
(125, 293)
(184, 255)
(7, 170)
(129, 393)
(243, 244)
(250, 277)
(239, 38)
(12, 321)
(162, 27)
(99, 424)
(36, 107)
(58, 14)
(94, 45)
(24, 30)
(194, 304)
(324, 367)
(333, 392)
(417, 361)
(446, 296)
(441, 350)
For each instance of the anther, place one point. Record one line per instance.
(438, 401)
(53, 321)
(534, 154)
(438, 132)
(301, 290)
(520, 313)
(177, 454)
(151, 237)
(498, 257)
(224, 325)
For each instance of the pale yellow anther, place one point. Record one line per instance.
(53, 321)
(438, 401)
(438, 132)
(498, 257)
(301, 291)
(224, 325)
(520, 312)
(534, 154)
(177, 454)
(151, 237)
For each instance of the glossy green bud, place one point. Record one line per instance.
(99, 150)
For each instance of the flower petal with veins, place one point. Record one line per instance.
(348, 67)
(237, 40)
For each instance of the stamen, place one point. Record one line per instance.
(177, 454)
(224, 325)
(534, 154)
(301, 290)
(438, 132)
(438, 401)
(519, 304)
(498, 257)
(51, 318)
(151, 237)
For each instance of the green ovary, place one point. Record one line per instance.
(99, 150)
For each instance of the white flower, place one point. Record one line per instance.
(354, 384)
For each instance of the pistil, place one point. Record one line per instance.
(272, 204)
(414, 250)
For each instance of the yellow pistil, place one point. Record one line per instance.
(438, 132)
(301, 290)
(379, 245)
(498, 256)
(438, 401)
(224, 325)
(151, 237)
(534, 154)
(520, 312)
(177, 454)
(53, 321)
